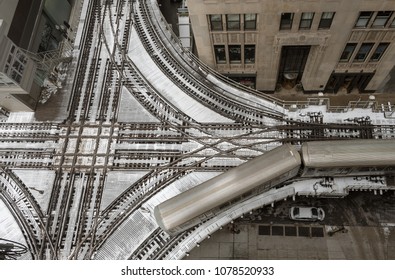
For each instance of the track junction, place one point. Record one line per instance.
(145, 109)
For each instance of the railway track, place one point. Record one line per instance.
(91, 143)
(182, 77)
(28, 212)
(158, 245)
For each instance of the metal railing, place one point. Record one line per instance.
(47, 61)
(195, 62)
(321, 101)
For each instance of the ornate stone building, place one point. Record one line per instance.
(27, 27)
(314, 45)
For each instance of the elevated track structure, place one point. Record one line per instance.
(143, 108)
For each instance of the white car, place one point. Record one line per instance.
(306, 214)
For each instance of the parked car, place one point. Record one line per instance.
(299, 213)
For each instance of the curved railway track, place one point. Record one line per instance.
(76, 225)
(28, 212)
(141, 191)
(109, 212)
(230, 108)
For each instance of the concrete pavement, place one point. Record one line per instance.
(353, 243)
(268, 233)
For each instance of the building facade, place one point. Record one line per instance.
(314, 45)
(38, 25)
(18, 91)
(27, 27)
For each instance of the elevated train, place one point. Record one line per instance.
(314, 159)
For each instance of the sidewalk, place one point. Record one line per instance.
(342, 98)
(356, 243)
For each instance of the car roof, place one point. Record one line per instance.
(305, 212)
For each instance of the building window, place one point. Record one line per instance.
(249, 54)
(363, 19)
(5, 81)
(220, 56)
(326, 20)
(306, 20)
(393, 23)
(235, 54)
(250, 22)
(16, 76)
(233, 22)
(18, 66)
(286, 21)
(381, 19)
(363, 52)
(378, 53)
(348, 51)
(216, 22)
(15, 64)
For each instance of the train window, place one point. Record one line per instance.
(237, 199)
(247, 194)
(224, 205)
(342, 171)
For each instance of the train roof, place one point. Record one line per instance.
(224, 187)
(348, 153)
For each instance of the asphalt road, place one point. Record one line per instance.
(356, 209)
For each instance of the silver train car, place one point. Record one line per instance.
(272, 168)
(348, 158)
(316, 159)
